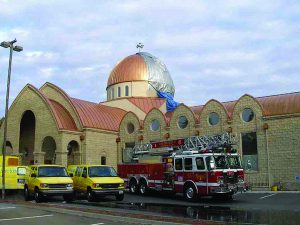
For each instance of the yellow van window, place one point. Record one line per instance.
(12, 162)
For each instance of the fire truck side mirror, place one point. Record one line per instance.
(211, 165)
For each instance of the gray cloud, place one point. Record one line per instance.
(220, 49)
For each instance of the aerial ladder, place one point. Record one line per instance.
(187, 145)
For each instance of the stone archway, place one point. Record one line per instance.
(9, 149)
(73, 153)
(49, 147)
(27, 137)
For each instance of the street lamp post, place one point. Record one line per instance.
(12, 48)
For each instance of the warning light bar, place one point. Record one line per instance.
(164, 144)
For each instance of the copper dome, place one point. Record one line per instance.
(142, 66)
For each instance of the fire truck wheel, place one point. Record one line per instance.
(38, 197)
(27, 196)
(119, 197)
(190, 193)
(143, 188)
(133, 186)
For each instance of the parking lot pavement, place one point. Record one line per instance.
(32, 214)
(13, 214)
(249, 208)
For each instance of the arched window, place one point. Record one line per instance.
(126, 90)
(103, 160)
(112, 93)
(119, 92)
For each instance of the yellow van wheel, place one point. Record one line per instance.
(38, 197)
(119, 197)
(90, 195)
(27, 196)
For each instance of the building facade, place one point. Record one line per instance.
(46, 125)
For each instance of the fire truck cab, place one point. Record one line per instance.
(213, 174)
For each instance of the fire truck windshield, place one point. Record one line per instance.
(102, 171)
(228, 162)
(234, 162)
(220, 162)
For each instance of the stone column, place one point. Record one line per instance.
(61, 158)
(77, 158)
(38, 157)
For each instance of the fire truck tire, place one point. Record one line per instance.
(27, 196)
(133, 187)
(190, 193)
(143, 188)
(38, 197)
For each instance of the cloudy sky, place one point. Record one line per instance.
(213, 49)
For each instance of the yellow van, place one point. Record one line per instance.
(47, 180)
(14, 174)
(98, 180)
(71, 169)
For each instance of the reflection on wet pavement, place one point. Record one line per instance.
(212, 213)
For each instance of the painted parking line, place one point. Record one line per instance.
(28, 217)
(267, 196)
(97, 223)
(8, 207)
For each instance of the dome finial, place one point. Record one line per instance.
(140, 46)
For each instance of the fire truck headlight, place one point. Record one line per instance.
(121, 185)
(240, 180)
(69, 185)
(43, 185)
(220, 180)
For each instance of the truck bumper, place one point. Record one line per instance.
(56, 192)
(108, 192)
(228, 189)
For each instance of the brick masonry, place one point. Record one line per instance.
(279, 144)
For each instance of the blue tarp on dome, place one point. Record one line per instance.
(171, 104)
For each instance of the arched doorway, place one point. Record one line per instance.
(49, 147)
(73, 153)
(9, 149)
(27, 137)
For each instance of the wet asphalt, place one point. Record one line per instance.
(249, 208)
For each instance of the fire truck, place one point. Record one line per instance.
(195, 166)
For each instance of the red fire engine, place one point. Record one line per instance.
(195, 166)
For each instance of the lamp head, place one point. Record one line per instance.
(18, 48)
(5, 44)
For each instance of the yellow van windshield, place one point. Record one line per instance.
(102, 171)
(52, 171)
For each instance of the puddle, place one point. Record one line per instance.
(211, 213)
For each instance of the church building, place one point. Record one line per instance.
(46, 125)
